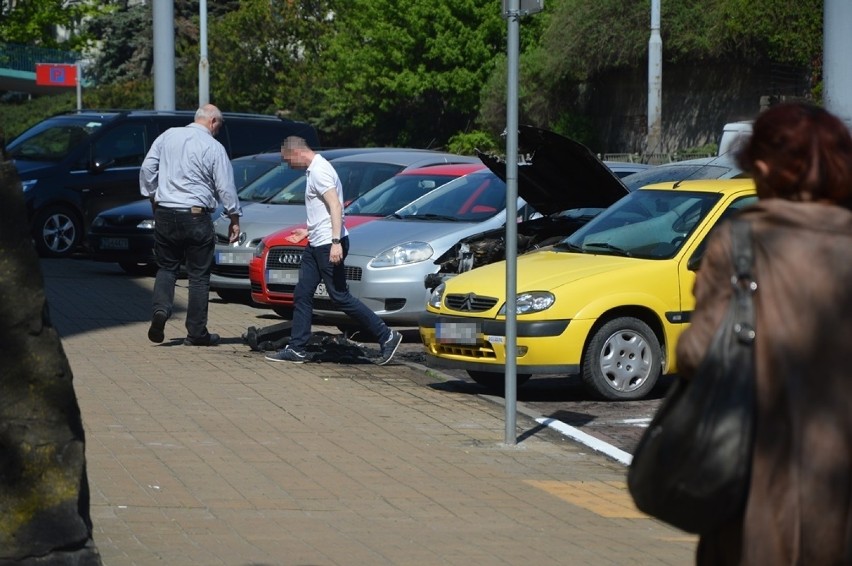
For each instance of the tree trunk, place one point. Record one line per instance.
(44, 491)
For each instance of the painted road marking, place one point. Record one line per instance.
(607, 499)
(587, 439)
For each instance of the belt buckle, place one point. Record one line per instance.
(196, 210)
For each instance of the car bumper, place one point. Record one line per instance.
(544, 346)
(122, 247)
(396, 294)
(231, 267)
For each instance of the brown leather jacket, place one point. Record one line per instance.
(799, 509)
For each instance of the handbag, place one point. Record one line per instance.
(692, 466)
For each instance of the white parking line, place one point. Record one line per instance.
(587, 439)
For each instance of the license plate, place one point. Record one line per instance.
(282, 276)
(115, 244)
(457, 332)
(233, 258)
(321, 291)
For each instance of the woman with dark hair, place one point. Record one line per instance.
(799, 507)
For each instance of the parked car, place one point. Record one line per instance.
(389, 259)
(75, 165)
(274, 267)
(358, 173)
(608, 302)
(125, 234)
(539, 175)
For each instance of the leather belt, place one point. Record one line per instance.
(190, 210)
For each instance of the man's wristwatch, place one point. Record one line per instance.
(335, 240)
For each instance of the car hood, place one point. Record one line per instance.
(260, 219)
(279, 238)
(540, 270)
(558, 173)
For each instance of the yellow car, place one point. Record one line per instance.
(608, 302)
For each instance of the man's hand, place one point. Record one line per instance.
(297, 235)
(234, 231)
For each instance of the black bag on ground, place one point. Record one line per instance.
(692, 466)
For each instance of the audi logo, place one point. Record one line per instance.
(290, 258)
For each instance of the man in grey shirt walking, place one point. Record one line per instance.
(185, 173)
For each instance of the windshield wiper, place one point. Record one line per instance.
(570, 247)
(609, 247)
(426, 217)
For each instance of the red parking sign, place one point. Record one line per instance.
(56, 74)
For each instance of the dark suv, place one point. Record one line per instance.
(74, 165)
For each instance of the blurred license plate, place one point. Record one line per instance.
(321, 291)
(456, 332)
(233, 258)
(115, 244)
(285, 276)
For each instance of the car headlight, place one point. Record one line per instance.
(98, 222)
(533, 301)
(259, 248)
(147, 224)
(411, 252)
(437, 296)
(27, 185)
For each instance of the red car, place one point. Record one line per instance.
(274, 269)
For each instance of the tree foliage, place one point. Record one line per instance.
(408, 72)
(37, 22)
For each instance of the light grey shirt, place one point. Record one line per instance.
(188, 167)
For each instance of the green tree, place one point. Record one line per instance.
(407, 72)
(38, 22)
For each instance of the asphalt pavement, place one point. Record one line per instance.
(213, 455)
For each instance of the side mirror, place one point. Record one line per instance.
(694, 262)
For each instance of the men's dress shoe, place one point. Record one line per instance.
(209, 340)
(158, 323)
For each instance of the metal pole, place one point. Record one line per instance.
(655, 82)
(837, 76)
(164, 54)
(203, 65)
(511, 378)
(79, 86)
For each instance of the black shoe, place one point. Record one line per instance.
(158, 323)
(209, 340)
(389, 347)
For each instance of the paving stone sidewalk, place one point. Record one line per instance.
(214, 456)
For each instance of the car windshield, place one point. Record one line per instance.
(472, 198)
(395, 193)
(647, 224)
(247, 170)
(270, 183)
(53, 140)
(674, 172)
(357, 178)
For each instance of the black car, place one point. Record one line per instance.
(125, 234)
(77, 164)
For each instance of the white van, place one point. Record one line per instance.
(733, 135)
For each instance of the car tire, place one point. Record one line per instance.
(57, 231)
(136, 268)
(622, 361)
(495, 381)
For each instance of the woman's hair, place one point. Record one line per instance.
(808, 153)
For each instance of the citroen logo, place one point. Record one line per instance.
(467, 303)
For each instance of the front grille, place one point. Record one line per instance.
(256, 288)
(481, 351)
(470, 302)
(238, 271)
(284, 257)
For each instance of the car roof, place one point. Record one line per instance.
(410, 157)
(448, 169)
(704, 186)
(721, 167)
(558, 173)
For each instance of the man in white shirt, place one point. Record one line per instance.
(185, 173)
(322, 260)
